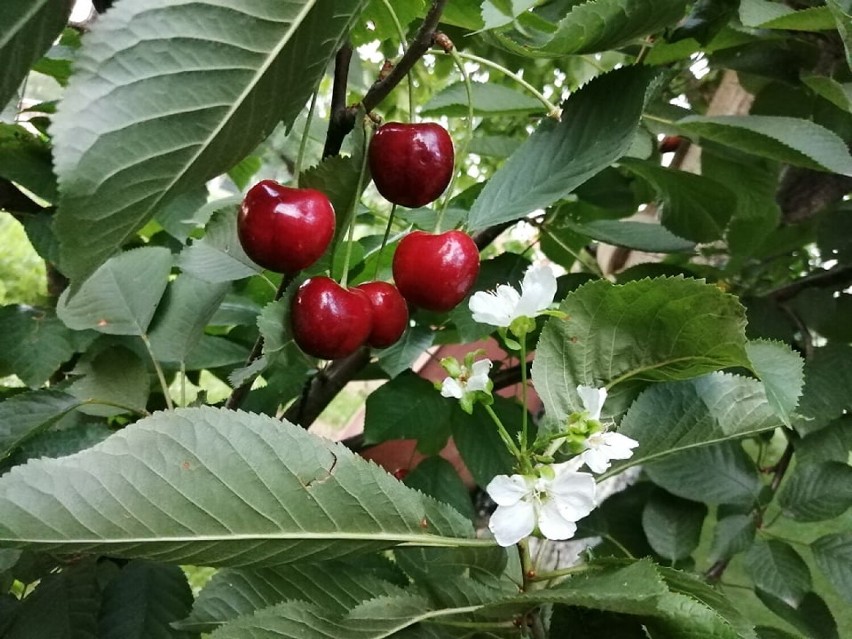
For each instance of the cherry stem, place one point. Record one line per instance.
(401, 33)
(384, 241)
(303, 143)
(160, 375)
(524, 419)
(553, 111)
(350, 239)
(462, 153)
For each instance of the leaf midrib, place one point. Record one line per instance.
(15, 30)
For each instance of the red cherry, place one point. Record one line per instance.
(400, 473)
(284, 229)
(328, 320)
(411, 164)
(390, 313)
(670, 143)
(435, 272)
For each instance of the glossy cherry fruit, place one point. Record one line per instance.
(390, 313)
(285, 229)
(411, 164)
(435, 272)
(328, 320)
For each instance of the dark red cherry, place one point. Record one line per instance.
(411, 164)
(435, 272)
(328, 320)
(390, 313)
(284, 229)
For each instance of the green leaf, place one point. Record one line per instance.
(840, 95)
(828, 377)
(678, 416)
(189, 211)
(27, 29)
(812, 617)
(34, 343)
(121, 296)
(682, 616)
(24, 416)
(833, 556)
(673, 525)
(790, 140)
(768, 632)
(639, 236)
(694, 207)
(116, 379)
(781, 371)
(842, 13)
(408, 406)
(488, 100)
(717, 474)
(377, 14)
(832, 443)
(187, 307)
(479, 443)
(597, 127)
(657, 330)
(65, 439)
(817, 491)
(333, 586)
(218, 256)
(142, 602)
(438, 478)
(732, 535)
(498, 13)
(218, 488)
(219, 93)
(760, 14)
(595, 26)
(63, 605)
(775, 567)
(25, 159)
(402, 355)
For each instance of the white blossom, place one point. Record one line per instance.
(504, 305)
(470, 381)
(602, 447)
(553, 501)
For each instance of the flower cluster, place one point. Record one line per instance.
(468, 382)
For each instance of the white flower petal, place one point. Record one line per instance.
(495, 308)
(508, 490)
(537, 291)
(574, 494)
(452, 388)
(510, 524)
(478, 380)
(593, 399)
(619, 446)
(552, 524)
(596, 459)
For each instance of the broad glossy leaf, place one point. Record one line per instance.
(594, 26)
(334, 586)
(812, 616)
(24, 416)
(189, 211)
(653, 329)
(828, 377)
(790, 140)
(383, 28)
(27, 29)
(121, 296)
(775, 567)
(488, 100)
(682, 616)
(732, 535)
(173, 93)
(640, 236)
(401, 356)
(673, 525)
(816, 492)
(832, 443)
(761, 14)
(114, 382)
(64, 604)
(438, 478)
(597, 127)
(34, 343)
(408, 407)
(842, 12)
(25, 159)
(833, 556)
(781, 371)
(218, 256)
(188, 306)
(479, 443)
(717, 474)
(498, 13)
(694, 207)
(222, 488)
(142, 602)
